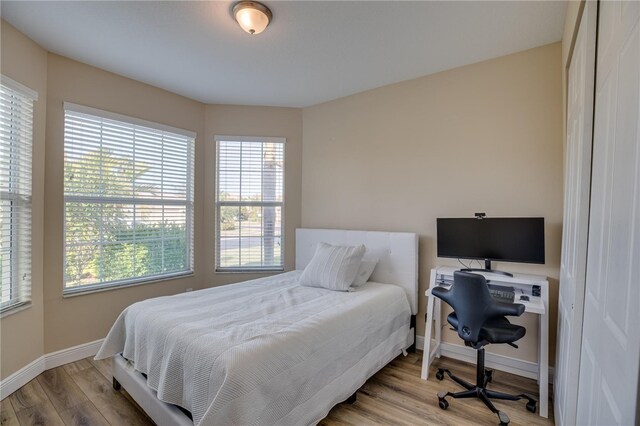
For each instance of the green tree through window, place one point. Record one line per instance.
(128, 202)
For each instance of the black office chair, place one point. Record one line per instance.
(480, 320)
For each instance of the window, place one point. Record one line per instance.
(16, 140)
(249, 203)
(128, 192)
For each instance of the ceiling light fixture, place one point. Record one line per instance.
(253, 17)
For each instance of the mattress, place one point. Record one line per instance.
(266, 351)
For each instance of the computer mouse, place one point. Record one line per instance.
(524, 297)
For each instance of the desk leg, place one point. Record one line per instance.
(543, 357)
(438, 325)
(426, 361)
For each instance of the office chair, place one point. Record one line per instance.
(480, 320)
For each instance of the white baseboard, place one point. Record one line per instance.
(55, 359)
(21, 377)
(499, 362)
(75, 353)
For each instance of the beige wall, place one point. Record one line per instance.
(482, 138)
(21, 333)
(79, 319)
(254, 121)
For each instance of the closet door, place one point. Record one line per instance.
(610, 358)
(577, 185)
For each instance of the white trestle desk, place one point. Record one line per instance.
(523, 284)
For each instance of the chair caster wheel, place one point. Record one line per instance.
(504, 419)
(440, 375)
(531, 406)
(442, 402)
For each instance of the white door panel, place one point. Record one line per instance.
(576, 217)
(608, 390)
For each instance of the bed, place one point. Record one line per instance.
(268, 351)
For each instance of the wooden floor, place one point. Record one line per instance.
(80, 393)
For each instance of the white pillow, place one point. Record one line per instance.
(367, 266)
(333, 267)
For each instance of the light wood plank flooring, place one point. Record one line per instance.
(80, 393)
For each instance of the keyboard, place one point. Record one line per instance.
(502, 293)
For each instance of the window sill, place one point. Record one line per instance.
(249, 271)
(79, 291)
(14, 309)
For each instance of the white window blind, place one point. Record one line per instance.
(16, 141)
(249, 203)
(128, 190)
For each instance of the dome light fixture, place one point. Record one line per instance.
(253, 17)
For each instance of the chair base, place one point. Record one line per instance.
(480, 391)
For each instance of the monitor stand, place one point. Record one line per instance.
(487, 268)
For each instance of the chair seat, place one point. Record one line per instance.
(494, 330)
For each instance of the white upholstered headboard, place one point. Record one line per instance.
(397, 251)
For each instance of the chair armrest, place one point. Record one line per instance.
(508, 309)
(442, 293)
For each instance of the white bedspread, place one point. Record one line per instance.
(267, 351)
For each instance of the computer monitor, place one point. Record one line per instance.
(504, 239)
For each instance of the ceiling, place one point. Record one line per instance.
(312, 52)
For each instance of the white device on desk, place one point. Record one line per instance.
(524, 285)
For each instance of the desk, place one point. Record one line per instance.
(535, 305)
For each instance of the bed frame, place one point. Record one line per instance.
(398, 264)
